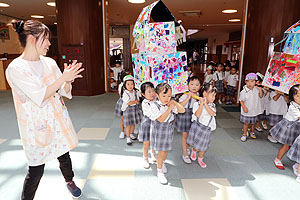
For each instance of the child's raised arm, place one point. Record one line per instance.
(179, 107)
(164, 116)
(276, 97)
(210, 111)
(184, 102)
(261, 92)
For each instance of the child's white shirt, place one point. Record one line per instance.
(205, 116)
(227, 73)
(155, 113)
(184, 97)
(146, 107)
(116, 71)
(208, 78)
(127, 97)
(252, 101)
(278, 107)
(113, 84)
(267, 101)
(120, 88)
(232, 80)
(293, 112)
(218, 76)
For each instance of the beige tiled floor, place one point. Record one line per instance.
(93, 133)
(2, 140)
(52, 187)
(208, 189)
(114, 166)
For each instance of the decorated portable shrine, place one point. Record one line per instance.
(284, 67)
(157, 59)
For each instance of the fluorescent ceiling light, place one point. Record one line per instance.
(51, 4)
(37, 16)
(229, 11)
(136, 1)
(234, 20)
(5, 5)
(192, 31)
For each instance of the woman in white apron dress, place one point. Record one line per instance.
(45, 127)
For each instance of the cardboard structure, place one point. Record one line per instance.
(284, 67)
(157, 59)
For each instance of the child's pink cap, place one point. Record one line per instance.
(251, 76)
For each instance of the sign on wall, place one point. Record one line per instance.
(4, 31)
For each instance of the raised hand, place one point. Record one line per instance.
(172, 104)
(72, 71)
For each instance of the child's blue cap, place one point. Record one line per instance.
(251, 76)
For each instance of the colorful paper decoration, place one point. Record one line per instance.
(141, 69)
(169, 68)
(157, 60)
(283, 71)
(141, 27)
(162, 39)
(292, 44)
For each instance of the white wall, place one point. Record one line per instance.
(11, 46)
(216, 40)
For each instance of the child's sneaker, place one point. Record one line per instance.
(258, 128)
(153, 156)
(278, 164)
(201, 163)
(220, 102)
(295, 169)
(194, 155)
(264, 125)
(146, 163)
(162, 178)
(271, 139)
(298, 179)
(186, 159)
(252, 135)
(244, 138)
(164, 168)
(132, 136)
(188, 152)
(128, 141)
(73, 189)
(122, 135)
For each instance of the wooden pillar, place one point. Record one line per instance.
(80, 36)
(266, 19)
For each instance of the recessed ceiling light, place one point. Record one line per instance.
(51, 4)
(55, 23)
(136, 1)
(37, 16)
(234, 20)
(5, 5)
(229, 11)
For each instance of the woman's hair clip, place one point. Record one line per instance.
(20, 26)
